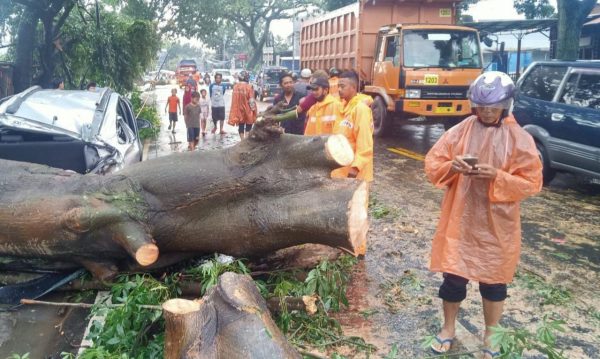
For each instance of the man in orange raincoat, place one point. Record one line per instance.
(356, 123)
(243, 106)
(334, 81)
(322, 116)
(487, 164)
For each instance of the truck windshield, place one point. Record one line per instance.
(272, 76)
(441, 48)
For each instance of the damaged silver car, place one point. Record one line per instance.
(82, 131)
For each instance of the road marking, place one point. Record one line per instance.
(407, 153)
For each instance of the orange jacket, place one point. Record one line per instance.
(479, 233)
(243, 105)
(356, 124)
(321, 117)
(333, 87)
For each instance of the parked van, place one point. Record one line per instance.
(558, 103)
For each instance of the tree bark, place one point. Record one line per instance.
(266, 193)
(231, 322)
(25, 45)
(571, 16)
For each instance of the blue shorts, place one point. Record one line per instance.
(193, 134)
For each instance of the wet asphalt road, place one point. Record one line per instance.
(561, 239)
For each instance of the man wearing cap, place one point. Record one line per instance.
(322, 116)
(356, 123)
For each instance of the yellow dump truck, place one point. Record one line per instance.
(411, 57)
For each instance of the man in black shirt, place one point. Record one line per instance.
(291, 99)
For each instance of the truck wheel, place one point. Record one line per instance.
(450, 122)
(547, 172)
(381, 121)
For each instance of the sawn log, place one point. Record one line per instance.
(268, 192)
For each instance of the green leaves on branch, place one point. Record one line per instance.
(513, 342)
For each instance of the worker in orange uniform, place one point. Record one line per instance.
(487, 164)
(322, 116)
(243, 105)
(334, 80)
(356, 123)
(196, 77)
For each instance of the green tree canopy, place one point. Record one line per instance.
(534, 9)
(77, 40)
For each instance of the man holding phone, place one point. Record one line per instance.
(487, 165)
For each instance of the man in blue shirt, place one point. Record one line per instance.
(217, 100)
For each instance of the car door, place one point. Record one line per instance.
(577, 117)
(127, 133)
(535, 103)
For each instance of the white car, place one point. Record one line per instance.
(228, 78)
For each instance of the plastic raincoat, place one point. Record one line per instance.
(322, 116)
(243, 105)
(356, 124)
(479, 232)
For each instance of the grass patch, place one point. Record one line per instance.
(380, 210)
(548, 294)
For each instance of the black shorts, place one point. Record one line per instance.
(218, 114)
(193, 133)
(173, 116)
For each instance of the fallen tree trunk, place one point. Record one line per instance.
(232, 321)
(270, 191)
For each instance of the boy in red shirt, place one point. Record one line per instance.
(173, 105)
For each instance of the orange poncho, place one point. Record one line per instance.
(241, 111)
(356, 123)
(479, 232)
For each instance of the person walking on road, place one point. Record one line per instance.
(216, 91)
(290, 98)
(487, 164)
(356, 123)
(204, 110)
(322, 116)
(191, 115)
(243, 106)
(173, 106)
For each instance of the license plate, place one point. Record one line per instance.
(431, 79)
(444, 110)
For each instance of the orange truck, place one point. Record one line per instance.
(410, 56)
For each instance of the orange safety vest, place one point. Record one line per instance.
(333, 87)
(356, 124)
(321, 117)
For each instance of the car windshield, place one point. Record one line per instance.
(225, 73)
(272, 76)
(441, 48)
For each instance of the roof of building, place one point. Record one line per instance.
(507, 26)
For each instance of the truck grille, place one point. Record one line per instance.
(446, 92)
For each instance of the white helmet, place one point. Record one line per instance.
(305, 73)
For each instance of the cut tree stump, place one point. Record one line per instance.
(268, 192)
(231, 322)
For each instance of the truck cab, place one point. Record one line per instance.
(423, 70)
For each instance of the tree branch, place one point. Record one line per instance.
(62, 19)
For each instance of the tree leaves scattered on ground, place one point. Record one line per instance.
(132, 331)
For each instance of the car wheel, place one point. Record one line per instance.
(381, 120)
(547, 172)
